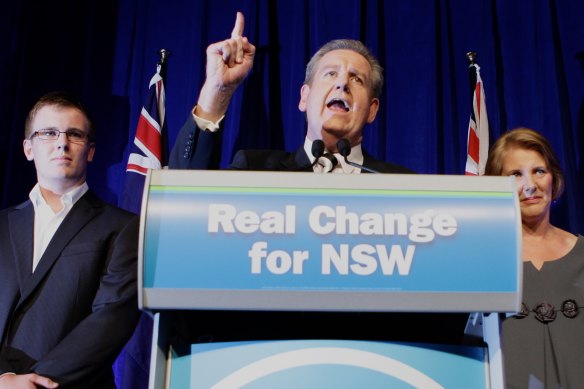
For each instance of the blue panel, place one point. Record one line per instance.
(329, 364)
(414, 254)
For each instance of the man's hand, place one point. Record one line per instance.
(26, 381)
(228, 63)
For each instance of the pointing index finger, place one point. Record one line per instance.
(238, 27)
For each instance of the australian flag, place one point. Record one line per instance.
(150, 147)
(478, 127)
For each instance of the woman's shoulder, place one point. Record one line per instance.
(566, 240)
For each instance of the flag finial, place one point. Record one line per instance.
(162, 61)
(471, 56)
(164, 53)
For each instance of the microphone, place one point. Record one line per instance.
(317, 150)
(344, 148)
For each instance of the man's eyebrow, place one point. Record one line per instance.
(350, 69)
(359, 73)
(56, 129)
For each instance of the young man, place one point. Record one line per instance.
(67, 263)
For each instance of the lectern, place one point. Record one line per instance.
(276, 241)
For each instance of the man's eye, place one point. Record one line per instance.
(49, 133)
(357, 80)
(72, 134)
(331, 73)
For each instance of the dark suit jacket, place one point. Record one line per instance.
(70, 318)
(196, 149)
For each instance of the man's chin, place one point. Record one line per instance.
(338, 130)
(330, 137)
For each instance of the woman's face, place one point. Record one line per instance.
(534, 183)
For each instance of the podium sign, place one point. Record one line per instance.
(304, 241)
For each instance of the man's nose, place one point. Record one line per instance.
(342, 83)
(62, 141)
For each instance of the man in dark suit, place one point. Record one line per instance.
(340, 95)
(67, 263)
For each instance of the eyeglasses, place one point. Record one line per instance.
(51, 134)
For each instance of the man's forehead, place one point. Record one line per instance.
(55, 114)
(341, 57)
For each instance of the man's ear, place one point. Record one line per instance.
(27, 147)
(303, 97)
(373, 108)
(91, 152)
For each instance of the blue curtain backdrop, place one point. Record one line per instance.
(531, 55)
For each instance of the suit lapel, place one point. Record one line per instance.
(372, 163)
(368, 161)
(297, 161)
(21, 227)
(85, 209)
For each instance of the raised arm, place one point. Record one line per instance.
(228, 63)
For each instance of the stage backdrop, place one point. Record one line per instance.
(530, 52)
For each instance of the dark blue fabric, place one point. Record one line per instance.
(531, 55)
(531, 58)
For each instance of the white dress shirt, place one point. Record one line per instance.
(46, 222)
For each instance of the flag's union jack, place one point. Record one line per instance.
(150, 147)
(146, 151)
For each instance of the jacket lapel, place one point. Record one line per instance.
(21, 227)
(372, 163)
(85, 209)
(297, 161)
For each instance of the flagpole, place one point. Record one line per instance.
(471, 56)
(161, 69)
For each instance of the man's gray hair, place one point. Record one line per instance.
(353, 45)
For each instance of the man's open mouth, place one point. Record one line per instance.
(338, 104)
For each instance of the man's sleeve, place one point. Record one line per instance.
(195, 148)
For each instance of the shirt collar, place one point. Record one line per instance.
(71, 197)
